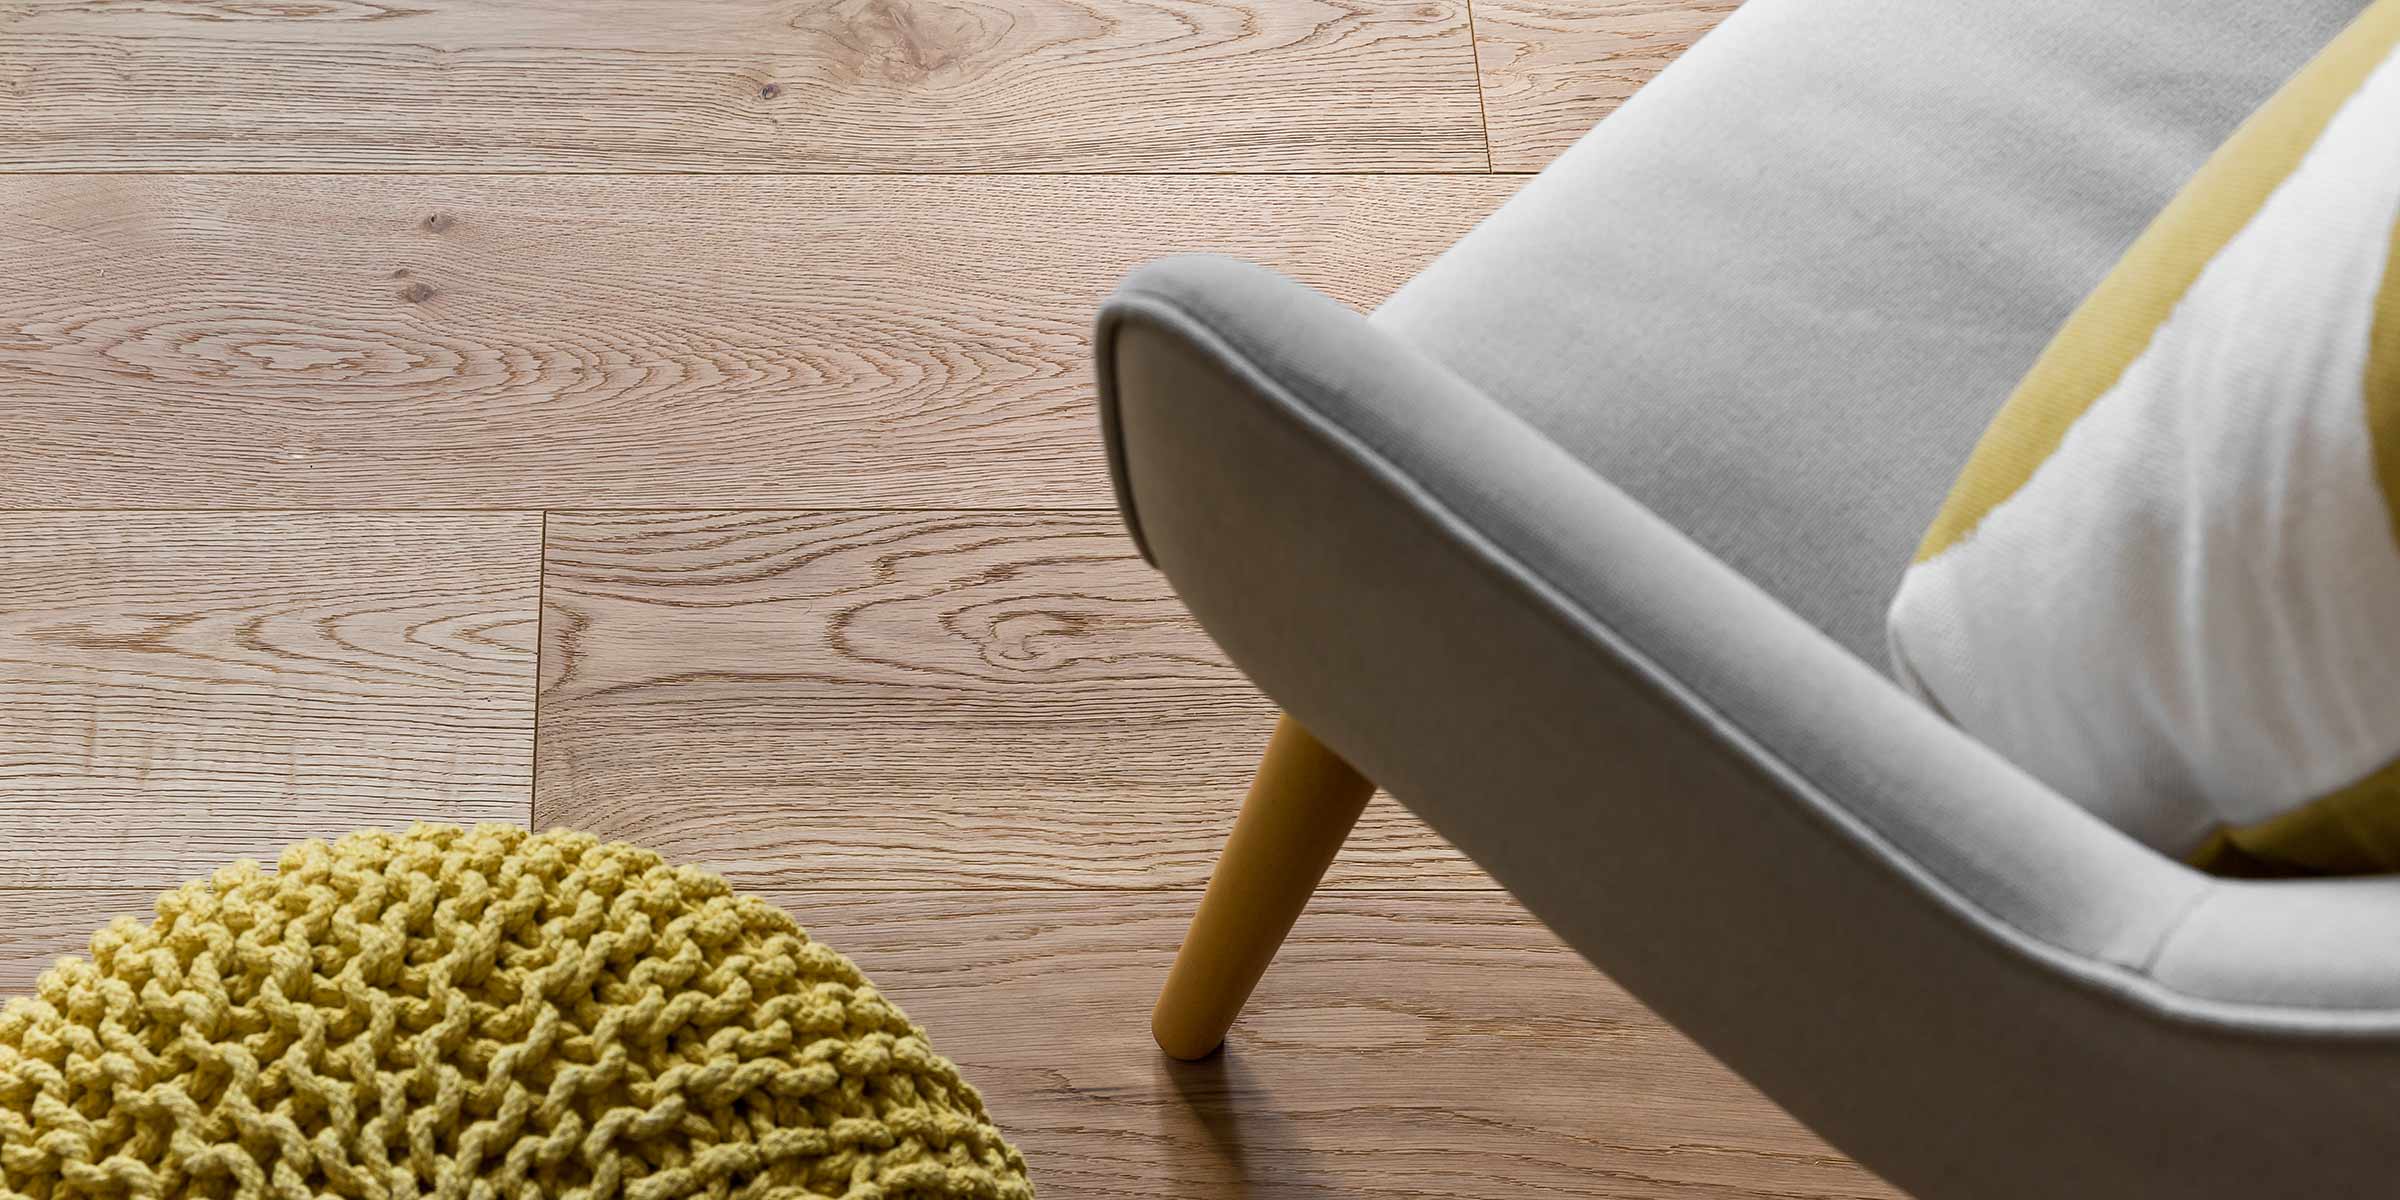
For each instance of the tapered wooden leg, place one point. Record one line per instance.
(1301, 806)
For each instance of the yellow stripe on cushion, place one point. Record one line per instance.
(2382, 385)
(2117, 321)
(2355, 831)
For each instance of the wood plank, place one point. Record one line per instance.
(183, 689)
(38, 925)
(880, 700)
(740, 85)
(1552, 68)
(1405, 1045)
(662, 342)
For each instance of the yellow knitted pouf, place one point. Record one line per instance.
(477, 1013)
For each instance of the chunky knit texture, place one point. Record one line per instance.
(477, 1013)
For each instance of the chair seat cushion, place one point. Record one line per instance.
(1778, 295)
(2166, 582)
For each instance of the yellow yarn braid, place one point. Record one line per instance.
(484, 1014)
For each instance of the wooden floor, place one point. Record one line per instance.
(671, 418)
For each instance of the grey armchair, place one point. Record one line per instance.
(1580, 545)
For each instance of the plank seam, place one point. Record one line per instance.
(1483, 112)
(541, 646)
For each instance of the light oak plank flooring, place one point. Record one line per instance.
(185, 688)
(580, 342)
(674, 420)
(1553, 68)
(1483, 1061)
(740, 85)
(934, 700)
(37, 925)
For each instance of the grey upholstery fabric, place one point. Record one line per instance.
(1778, 294)
(1578, 545)
(1956, 976)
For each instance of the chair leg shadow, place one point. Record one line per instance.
(1242, 1144)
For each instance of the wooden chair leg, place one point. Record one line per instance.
(1301, 806)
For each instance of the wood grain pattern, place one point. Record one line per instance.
(656, 342)
(977, 745)
(739, 85)
(1552, 68)
(1407, 1045)
(183, 689)
(883, 700)
(37, 925)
